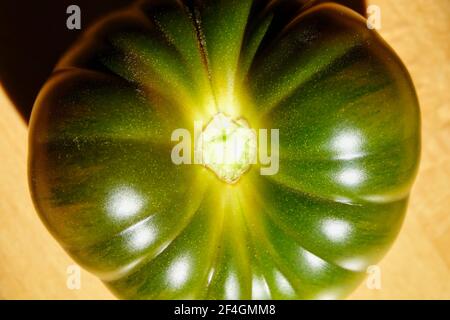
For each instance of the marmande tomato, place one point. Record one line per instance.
(104, 183)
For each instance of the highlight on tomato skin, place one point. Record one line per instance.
(324, 125)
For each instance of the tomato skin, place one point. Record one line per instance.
(103, 182)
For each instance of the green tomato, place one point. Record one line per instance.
(103, 181)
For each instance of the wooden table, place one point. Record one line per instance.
(33, 266)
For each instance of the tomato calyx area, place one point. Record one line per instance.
(228, 147)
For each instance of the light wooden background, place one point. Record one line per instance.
(33, 266)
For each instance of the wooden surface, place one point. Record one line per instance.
(33, 266)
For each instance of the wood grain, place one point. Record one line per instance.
(33, 266)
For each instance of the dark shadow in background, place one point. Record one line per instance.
(33, 36)
(359, 6)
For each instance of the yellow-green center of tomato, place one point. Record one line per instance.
(228, 147)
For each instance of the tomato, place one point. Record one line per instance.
(104, 183)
